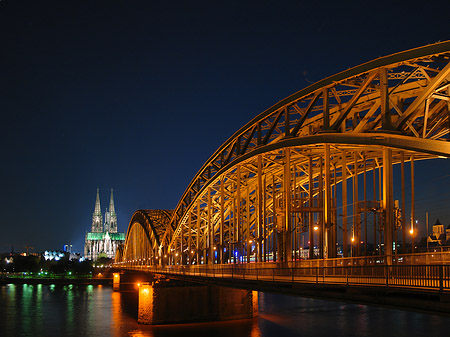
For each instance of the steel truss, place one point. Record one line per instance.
(142, 242)
(282, 173)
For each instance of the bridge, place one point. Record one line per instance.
(297, 194)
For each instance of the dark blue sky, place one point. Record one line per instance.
(136, 95)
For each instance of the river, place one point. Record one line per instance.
(70, 310)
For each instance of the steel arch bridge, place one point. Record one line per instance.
(319, 161)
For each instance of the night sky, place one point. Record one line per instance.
(136, 96)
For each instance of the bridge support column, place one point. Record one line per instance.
(356, 238)
(210, 229)
(402, 158)
(329, 245)
(222, 218)
(320, 204)
(189, 245)
(365, 203)
(374, 198)
(275, 240)
(311, 205)
(259, 210)
(287, 230)
(239, 231)
(162, 304)
(197, 238)
(344, 204)
(388, 203)
(413, 207)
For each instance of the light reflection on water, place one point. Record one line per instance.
(54, 310)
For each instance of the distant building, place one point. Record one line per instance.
(53, 255)
(440, 235)
(103, 239)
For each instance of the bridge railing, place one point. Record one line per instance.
(440, 257)
(434, 277)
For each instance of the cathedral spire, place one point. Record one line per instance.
(112, 215)
(97, 209)
(111, 203)
(97, 215)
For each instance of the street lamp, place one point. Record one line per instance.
(319, 235)
(351, 248)
(411, 231)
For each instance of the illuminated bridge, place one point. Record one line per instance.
(299, 192)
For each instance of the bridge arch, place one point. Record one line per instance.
(143, 238)
(298, 166)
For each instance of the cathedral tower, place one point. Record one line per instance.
(112, 215)
(97, 218)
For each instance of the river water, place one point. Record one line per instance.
(57, 310)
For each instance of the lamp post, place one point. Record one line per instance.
(351, 247)
(411, 231)
(316, 229)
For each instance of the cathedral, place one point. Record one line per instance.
(103, 239)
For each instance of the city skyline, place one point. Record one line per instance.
(137, 97)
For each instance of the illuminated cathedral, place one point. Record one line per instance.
(103, 239)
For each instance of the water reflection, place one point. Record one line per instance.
(53, 310)
(70, 309)
(37, 303)
(116, 312)
(8, 300)
(25, 308)
(138, 334)
(286, 315)
(255, 331)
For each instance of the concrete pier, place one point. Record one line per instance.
(168, 303)
(116, 281)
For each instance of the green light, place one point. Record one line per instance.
(101, 236)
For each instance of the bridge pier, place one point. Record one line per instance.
(173, 302)
(116, 281)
